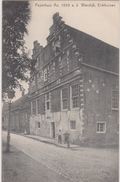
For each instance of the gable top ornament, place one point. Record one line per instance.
(56, 27)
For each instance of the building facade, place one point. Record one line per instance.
(75, 87)
(20, 114)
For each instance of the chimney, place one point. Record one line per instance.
(56, 18)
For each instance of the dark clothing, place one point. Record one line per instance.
(59, 139)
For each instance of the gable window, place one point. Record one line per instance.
(75, 96)
(65, 95)
(115, 100)
(65, 63)
(57, 46)
(73, 124)
(101, 127)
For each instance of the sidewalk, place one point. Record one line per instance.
(19, 167)
(50, 141)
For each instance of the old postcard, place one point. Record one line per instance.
(60, 91)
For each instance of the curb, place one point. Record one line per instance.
(46, 142)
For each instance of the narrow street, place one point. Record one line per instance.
(74, 165)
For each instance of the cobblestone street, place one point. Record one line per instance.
(76, 165)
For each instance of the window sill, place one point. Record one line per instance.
(115, 109)
(64, 110)
(72, 129)
(75, 109)
(101, 132)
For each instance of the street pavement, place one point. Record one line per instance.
(75, 165)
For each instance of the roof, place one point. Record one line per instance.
(19, 102)
(96, 52)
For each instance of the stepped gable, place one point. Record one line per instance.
(95, 52)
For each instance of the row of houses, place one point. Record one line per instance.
(20, 115)
(73, 89)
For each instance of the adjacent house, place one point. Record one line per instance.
(20, 113)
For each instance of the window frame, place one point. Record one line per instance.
(33, 113)
(70, 125)
(39, 124)
(47, 100)
(114, 108)
(101, 122)
(71, 97)
(63, 99)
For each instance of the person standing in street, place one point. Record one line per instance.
(59, 136)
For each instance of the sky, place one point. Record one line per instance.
(100, 22)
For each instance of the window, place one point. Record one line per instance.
(52, 71)
(101, 127)
(38, 124)
(75, 96)
(115, 100)
(48, 107)
(56, 46)
(38, 106)
(34, 107)
(65, 95)
(47, 101)
(72, 124)
(41, 105)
